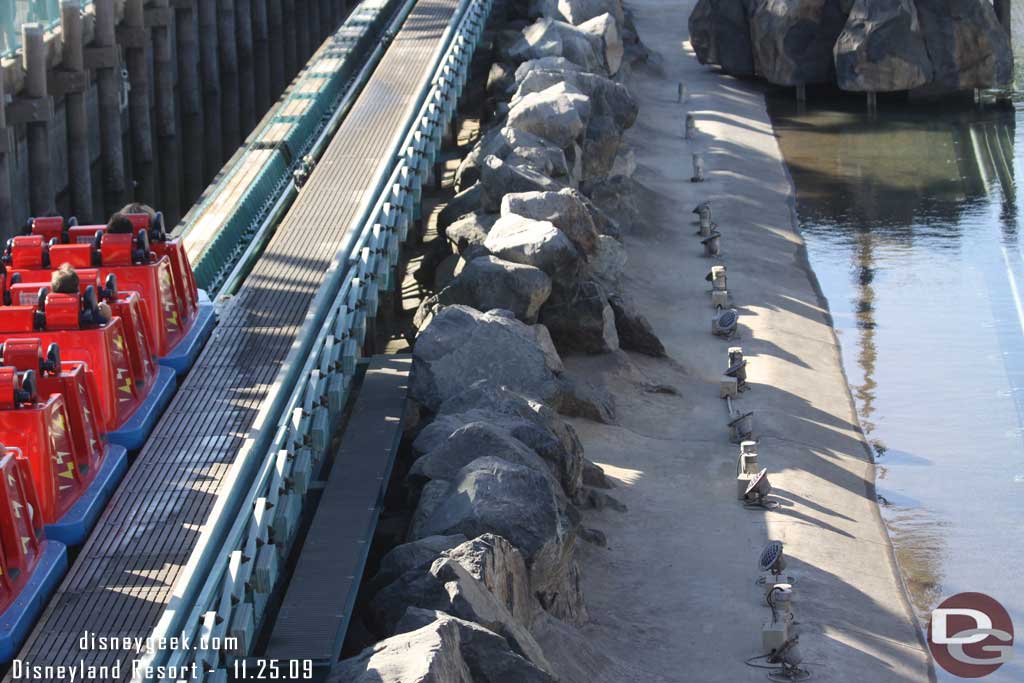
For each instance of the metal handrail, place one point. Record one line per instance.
(224, 587)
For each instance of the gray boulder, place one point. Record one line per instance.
(793, 39)
(487, 283)
(606, 30)
(607, 97)
(881, 48)
(625, 162)
(517, 503)
(634, 331)
(966, 43)
(558, 113)
(500, 80)
(413, 555)
(465, 202)
(486, 654)
(580, 319)
(578, 11)
(535, 243)
(550, 38)
(469, 442)
(430, 654)
(565, 209)
(498, 178)
(608, 262)
(720, 34)
(500, 567)
(541, 155)
(600, 147)
(448, 587)
(616, 197)
(560, 64)
(431, 496)
(462, 345)
(527, 420)
(470, 230)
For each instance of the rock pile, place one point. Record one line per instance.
(498, 476)
(935, 46)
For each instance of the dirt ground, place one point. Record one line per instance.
(672, 597)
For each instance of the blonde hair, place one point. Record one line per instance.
(64, 280)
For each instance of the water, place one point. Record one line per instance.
(912, 228)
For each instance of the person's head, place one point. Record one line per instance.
(64, 280)
(120, 224)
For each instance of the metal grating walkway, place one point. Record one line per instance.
(124, 575)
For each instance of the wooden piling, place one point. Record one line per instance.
(261, 55)
(159, 17)
(326, 19)
(246, 68)
(278, 66)
(302, 36)
(291, 40)
(230, 133)
(104, 57)
(1003, 11)
(315, 25)
(209, 62)
(133, 36)
(190, 100)
(40, 183)
(6, 145)
(75, 79)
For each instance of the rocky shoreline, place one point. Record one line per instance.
(528, 269)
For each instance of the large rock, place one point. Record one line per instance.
(565, 209)
(608, 262)
(616, 197)
(606, 30)
(500, 567)
(558, 113)
(720, 34)
(486, 283)
(500, 80)
(541, 155)
(966, 43)
(607, 97)
(517, 503)
(535, 243)
(576, 12)
(417, 554)
(793, 39)
(634, 330)
(486, 654)
(462, 345)
(600, 147)
(527, 420)
(881, 48)
(560, 64)
(550, 38)
(498, 178)
(465, 202)
(448, 587)
(431, 654)
(580, 319)
(469, 442)
(470, 230)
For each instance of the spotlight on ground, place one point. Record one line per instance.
(758, 489)
(724, 322)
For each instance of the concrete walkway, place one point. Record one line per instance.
(673, 595)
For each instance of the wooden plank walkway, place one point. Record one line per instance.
(315, 612)
(124, 574)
